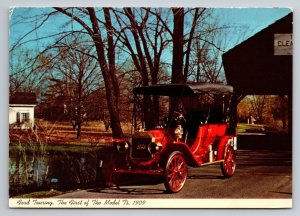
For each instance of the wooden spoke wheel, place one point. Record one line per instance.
(229, 164)
(175, 172)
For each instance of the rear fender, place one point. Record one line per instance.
(224, 142)
(181, 147)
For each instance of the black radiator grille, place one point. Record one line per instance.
(140, 148)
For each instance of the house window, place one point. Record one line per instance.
(25, 117)
(22, 117)
(18, 118)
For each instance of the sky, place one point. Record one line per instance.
(243, 23)
(252, 19)
(256, 18)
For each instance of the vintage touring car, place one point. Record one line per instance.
(196, 133)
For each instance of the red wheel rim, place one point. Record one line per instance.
(176, 173)
(229, 161)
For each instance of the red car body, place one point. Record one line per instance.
(194, 140)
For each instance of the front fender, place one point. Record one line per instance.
(181, 147)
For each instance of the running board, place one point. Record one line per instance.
(142, 172)
(218, 161)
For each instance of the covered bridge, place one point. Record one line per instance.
(262, 64)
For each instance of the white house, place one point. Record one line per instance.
(21, 110)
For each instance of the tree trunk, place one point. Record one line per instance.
(283, 111)
(111, 55)
(78, 130)
(189, 45)
(155, 104)
(109, 85)
(177, 61)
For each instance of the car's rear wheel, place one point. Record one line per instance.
(229, 164)
(175, 172)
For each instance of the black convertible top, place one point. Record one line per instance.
(183, 89)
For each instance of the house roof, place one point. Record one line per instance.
(28, 98)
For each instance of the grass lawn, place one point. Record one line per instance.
(250, 128)
(61, 133)
(93, 134)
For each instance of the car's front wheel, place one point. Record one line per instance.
(175, 172)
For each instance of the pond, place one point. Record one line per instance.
(65, 169)
(31, 171)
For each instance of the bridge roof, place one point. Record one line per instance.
(254, 67)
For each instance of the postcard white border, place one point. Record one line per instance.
(150, 203)
(5, 202)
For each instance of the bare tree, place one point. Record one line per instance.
(179, 42)
(258, 103)
(144, 40)
(27, 73)
(107, 66)
(78, 76)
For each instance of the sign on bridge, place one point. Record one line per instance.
(283, 44)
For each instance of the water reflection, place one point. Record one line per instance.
(29, 172)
